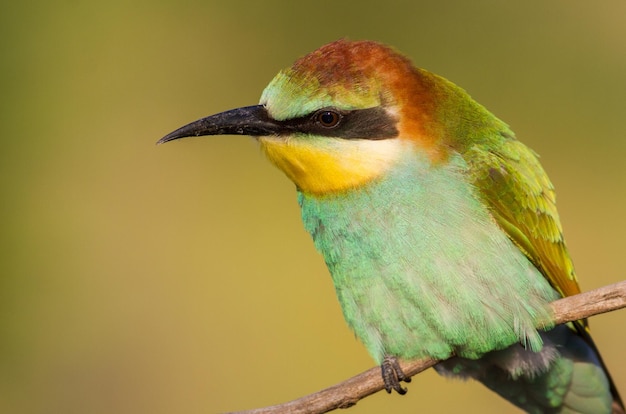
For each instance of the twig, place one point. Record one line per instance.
(584, 305)
(349, 392)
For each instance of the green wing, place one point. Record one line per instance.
(521, 197)
(522, 200)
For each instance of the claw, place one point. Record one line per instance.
(393, 375)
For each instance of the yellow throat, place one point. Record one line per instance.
(323, 165)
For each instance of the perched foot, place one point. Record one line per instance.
(393, 375)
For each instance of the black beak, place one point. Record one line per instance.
(250, 120)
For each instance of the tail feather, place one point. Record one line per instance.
(617, 406)
(566, 376)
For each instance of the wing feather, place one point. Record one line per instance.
(512, 182)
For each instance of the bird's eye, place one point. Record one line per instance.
(328, 119)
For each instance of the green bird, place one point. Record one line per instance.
(439, 228)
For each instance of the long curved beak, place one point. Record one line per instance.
(249, 120)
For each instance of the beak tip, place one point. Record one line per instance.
(172, 136)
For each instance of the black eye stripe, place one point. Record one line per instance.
(370, 123)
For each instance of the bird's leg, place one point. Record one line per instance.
(393, 375)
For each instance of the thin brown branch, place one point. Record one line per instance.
(349, 392)
(587, 304)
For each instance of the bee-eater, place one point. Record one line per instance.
(439, 228)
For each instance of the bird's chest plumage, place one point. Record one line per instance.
(421, 269)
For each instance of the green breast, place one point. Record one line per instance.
(422, 270)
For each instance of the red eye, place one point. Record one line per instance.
(328, 119)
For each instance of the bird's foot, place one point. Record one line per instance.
(393, 375)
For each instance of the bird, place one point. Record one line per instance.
(438, 226)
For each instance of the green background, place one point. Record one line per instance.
(178, 278)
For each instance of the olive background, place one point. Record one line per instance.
(137, 278)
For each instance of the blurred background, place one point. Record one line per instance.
(178, 278)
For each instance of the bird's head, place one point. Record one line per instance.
(340, 116)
